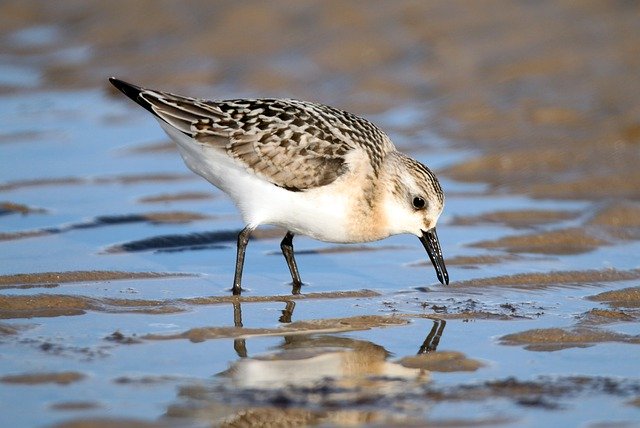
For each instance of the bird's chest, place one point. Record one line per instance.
(339, 213)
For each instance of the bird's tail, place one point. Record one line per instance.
(188, 115)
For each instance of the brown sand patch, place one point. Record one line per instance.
(43, 305)
(20, 184)
(477, 128)
(605, 316)
(75, 405)
(123, 179)
(505, 167)
(52, 305)
(442, 361)
(618, 214)
(326, 325)
(471, 261)
(473, 111)
(516, 218)
(565, 241)
(625, 298)
(475, 260)
(175, 197)
(213, 300)
(620, 220)
(603, 186)
(61, 378)
(631, 133)
(541, 280)
(162, 147)
(12, 236)
(550, 171)
(110, 423)
(80, 276)
(11, 207)
(554, 339)
(555, 115)
(174, 217)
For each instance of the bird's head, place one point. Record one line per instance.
(414, 202)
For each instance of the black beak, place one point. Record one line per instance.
(430, 241)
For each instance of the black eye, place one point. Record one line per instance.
(418, 203)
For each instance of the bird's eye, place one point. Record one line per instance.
(418, 203)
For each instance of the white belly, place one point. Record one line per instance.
(320, 213)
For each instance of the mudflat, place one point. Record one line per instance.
(116, 261)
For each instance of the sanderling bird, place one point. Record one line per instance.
(312, 169)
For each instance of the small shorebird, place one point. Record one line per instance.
(309, 168)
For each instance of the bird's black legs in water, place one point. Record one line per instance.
(433, 338)
(287, 250)
(243, 240)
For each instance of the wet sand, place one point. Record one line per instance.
(63, 378)
(116, 261)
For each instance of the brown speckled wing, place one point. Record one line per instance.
(293, 144)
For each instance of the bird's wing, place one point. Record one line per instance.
(293, 144)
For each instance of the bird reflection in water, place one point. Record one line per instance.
(312, 378)
(305, 358)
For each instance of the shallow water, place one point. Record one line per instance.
(116, 261)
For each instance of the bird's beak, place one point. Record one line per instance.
(429, 239)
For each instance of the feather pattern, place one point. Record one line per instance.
(293, 144)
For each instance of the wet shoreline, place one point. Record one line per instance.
(116, 261)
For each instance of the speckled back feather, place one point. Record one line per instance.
(294, 144)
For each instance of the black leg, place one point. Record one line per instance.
(243, 240)
(287, 250)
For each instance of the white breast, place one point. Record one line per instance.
(319, 213)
